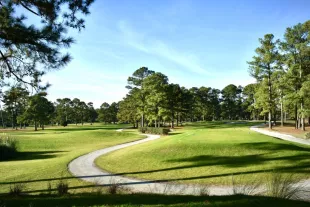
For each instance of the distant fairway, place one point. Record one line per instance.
(44, 155)
(210, 153)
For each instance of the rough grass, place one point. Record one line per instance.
(135, 200)
(211, 153)
(44, 155)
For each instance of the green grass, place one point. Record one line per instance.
(210, 153)
(44, 155)
(135, 200)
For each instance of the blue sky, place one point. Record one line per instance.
(195, 43)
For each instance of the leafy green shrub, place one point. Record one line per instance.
(63, 123)
(154, 130)
(307, 135)
(8, 147)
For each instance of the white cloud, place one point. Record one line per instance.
(138, 40)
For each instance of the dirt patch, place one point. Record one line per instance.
(290, 129)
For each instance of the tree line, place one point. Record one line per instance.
(282, 70)
(20, 109)
(153, 101)
(282, 89)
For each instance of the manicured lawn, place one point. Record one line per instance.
(211, 153)
(135, 200)
(44, 155)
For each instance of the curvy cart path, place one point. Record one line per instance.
(84, 168)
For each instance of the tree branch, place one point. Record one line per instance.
(11, 69)
(26, 7)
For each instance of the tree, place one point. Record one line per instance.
(250, 101)
(296, 50)
(104, 113)
(24, 47)
(91, 113)
(39, 110)
(263, 66)
(155, 93)
(15, 102)
(136, 81)
(230, 101)
(173, 92)
(128, 109)
(63, 111)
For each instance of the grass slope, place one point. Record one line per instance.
(136, 200)
(210, 153)
(44, 155)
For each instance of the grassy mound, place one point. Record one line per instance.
(43, 156)
(211, 153)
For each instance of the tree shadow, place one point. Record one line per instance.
(140, 199)
(81, 128)
(221, 124)
(34, 155)
(273, 147)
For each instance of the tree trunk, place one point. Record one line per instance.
(270, 98)
(35, 126)
(42, 126)
(303, 127)
(172, 121)
(296, 117)
(2, 117)
(282, 120)
(142, 120)
(269, 120)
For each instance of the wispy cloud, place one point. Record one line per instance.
(141, 42)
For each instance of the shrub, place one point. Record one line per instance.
(284, 186)
(62, 188)
(49, 188)
(307, 135)
(63, 123)
(17, 189)
(154, 130)
(8, 147)
(113, 188)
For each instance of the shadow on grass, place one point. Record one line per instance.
(221, 124)
(20, 156)
(151, 199)
(82, 128)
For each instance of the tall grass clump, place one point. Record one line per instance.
(8, 147)
(284, 186)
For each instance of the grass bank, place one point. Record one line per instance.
(43, 156)
(210, 153)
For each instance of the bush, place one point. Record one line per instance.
(8, 147)
(62, 188)
(63, 123)
(284, 186)
(307, 135)
(154, 130)
(17, 189)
